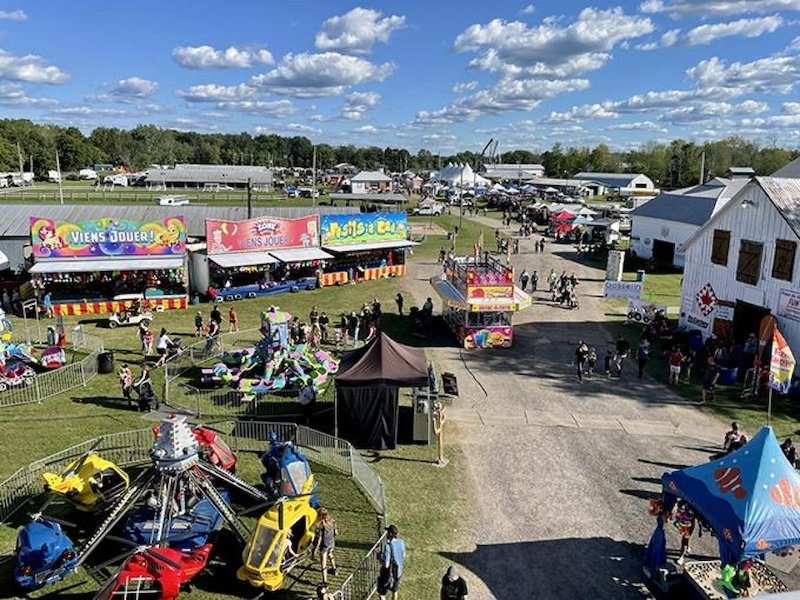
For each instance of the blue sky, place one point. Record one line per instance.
(443, 75)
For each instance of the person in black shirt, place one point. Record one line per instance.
(324, 321)
(216, 316)
(789, 451)
(453, 586)
(623, 349)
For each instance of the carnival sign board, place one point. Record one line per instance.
(106, 237)
(262, 233)
(365, 228)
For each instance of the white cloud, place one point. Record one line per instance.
(790, 120)
(273, 108)
(89, 111)
(367, 129)
(12, 94)
(212, 92)
(30, 68)
(132, 89)
(752, 107)
(461, 88)
(357, 31)
(316, 75)
(439, 137)
(670, 38)
(207, 57)
(791, 108)
(750, 28)
(777, 74)
(716, 8)
(638, 126)
(528, 10)
(13, 15)
(358, 104)
(587, 111)
(512, 47)
(300, 128)
(190, 124)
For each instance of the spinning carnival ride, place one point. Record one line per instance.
(173, 508)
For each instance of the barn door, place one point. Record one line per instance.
(748, 269)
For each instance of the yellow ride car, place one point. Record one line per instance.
(284, 533)
(89, 482)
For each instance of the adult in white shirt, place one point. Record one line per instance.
(163, 344)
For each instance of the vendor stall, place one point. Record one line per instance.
(365, 246)
(480, 300)
(105, 265)
(258, 257)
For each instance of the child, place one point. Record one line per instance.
(199, 327)
(126, 382)
(591, 361)
(325, 542)
(147, 342)
(233, 319)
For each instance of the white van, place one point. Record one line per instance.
(172, 200)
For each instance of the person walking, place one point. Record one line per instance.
(47, 302)
(162, 346)
(325, 533)
(199, 326)
(551, 280)
(147, 340)
(453, 586)
(523, 279)
(216, 316)
(307, 398)
(392, 559)
(399, 301)
(324, 322)
(126, 382)
(313, 316)
(591, 361)
(581, 354)
(710, 377)
(534, 281)
(675, 361)
(233, 320)
(623, 348)
(643, 355)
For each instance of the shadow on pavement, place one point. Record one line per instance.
(565, 568)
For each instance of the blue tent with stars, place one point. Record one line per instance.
(751, 498)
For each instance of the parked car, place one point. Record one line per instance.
(172, 200)
(306, 192)
(435, 209)
(292, 192)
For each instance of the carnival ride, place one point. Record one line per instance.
(166, 515)
(16, 358)
(273, 364)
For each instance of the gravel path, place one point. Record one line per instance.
(561, 470)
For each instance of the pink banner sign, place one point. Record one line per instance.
(263, 233)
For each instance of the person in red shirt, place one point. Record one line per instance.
(675, 361)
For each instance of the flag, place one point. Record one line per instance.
(782, 364)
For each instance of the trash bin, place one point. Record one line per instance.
(422, 419)
(105, 362)
(640, 275)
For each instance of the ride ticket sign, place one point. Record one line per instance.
(107, 237)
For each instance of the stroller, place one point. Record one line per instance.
(146, 395)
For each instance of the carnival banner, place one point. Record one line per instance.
(107, 237)
(363, 228)
(623, 289)
(263, 233)
(789, 304)
(781, 367)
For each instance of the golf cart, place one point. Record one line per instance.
(129, 317)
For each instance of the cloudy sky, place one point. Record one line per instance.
(445, 75)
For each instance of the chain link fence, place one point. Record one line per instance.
(52, 383)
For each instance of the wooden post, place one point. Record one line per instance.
(439, 419)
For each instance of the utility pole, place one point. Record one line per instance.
(249, 198)
(314, 177)
(60, 189)
(21, 166)
(702, 167)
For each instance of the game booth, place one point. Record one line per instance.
(258, 257)
(105, 265)
(480, 300)
(365, 246)
(749, 501)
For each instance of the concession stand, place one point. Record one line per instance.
(105, 265)
(258, 257)
(479, 300)
(365, 246)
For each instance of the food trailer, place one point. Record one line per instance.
(480, 300)
(105, 265)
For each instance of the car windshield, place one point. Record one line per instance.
(260, 547)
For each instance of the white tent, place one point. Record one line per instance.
(586, 212)
(460, 174)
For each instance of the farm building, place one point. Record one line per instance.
(662, 225)
(740, 173)
(370, 181)
(512, 171)
(743, 264)
(625, 184)
(201, 176)
(791, 170)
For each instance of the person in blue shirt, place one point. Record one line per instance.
(392, 557)
(48, 305)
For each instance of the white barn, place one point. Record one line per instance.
(625, 184)
(370, 181)
(661, 226)
(743, 264)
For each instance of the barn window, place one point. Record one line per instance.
(719, 248)
(749, 267)
(783, 262)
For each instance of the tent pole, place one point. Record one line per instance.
(335, 412)
(769, 408)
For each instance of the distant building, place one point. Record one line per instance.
(743, 264)
(370, 181)
(740, 173)
(512, 172)
(624, 184)
(662, 225)
(199, 176)
(792, 170)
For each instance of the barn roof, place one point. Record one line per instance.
(613, 180)
(16, 217)
(791, 170)
(694, 205)
(370, 176)
(782, 192)
(223, 174)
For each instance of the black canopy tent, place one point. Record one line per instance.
(367, 406)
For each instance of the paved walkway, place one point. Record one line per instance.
(561, 470)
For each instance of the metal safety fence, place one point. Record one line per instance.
(45, 385)
(130, 448)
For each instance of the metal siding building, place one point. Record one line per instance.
(772, 213)
(186, 175)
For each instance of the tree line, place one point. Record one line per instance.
(672, 165)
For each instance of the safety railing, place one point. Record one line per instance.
(52, 383)
(362, 582)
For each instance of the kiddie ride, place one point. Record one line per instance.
(15, 359)
(273, 364)
(167, 516)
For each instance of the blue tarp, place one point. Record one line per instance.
(750, 497)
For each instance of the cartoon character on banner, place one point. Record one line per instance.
(50, 240)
